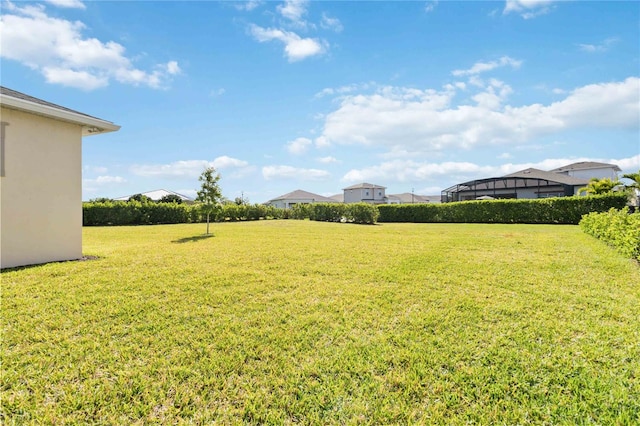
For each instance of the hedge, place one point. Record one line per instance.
(561, 210)
(361, 213)
(104, 213)
(617, 228)
(566, 210)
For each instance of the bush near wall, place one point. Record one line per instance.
(617, 228)
(561, 210)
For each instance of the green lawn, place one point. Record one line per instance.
(281, 322)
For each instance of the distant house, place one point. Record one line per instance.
(337, 198)
(41, 179)
(408, 198)
(297, 197)
(157, 195)
(590, 169)
(365, 193)
(532, 183)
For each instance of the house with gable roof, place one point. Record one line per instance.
(365, 193)
(41, 179)
(298, 196)
(156, 195)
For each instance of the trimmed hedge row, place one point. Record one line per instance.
(561, 210)
(137, 213)
(105, 213)
(564, 210)
(617, 228)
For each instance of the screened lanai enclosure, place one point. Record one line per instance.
(529, 183)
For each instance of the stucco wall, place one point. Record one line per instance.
(600, 173)
(41, 192)
(364, 194)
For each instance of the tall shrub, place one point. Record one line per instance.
(617, 228)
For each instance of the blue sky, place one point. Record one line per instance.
(319, 95)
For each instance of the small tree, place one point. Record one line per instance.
(598, 186)
(210, 194)
(141, 198)
(170, 198)
(633, 187)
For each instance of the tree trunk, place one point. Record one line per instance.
(207, 223)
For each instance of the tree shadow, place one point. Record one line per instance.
(192, 239)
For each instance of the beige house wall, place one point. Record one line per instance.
(41, 191)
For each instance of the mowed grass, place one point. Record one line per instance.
(282, 322)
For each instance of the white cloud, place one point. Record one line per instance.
(95, 169)
(296, 48)
(78, 79)
(528, 9)
(399, 171)
(330, 23)
(480, 67)
(217, 92)
(430, 6)
(288, 172)
(71, 4)
(598, 48)
(294, 10)
(247, 6)
(110, 179)
(505, 156)
(628, 165)
(178, 169)
(103, 180)
(328, 160)
(192, 168)
(342, 90)
(413, 120)
(226, 162)
(299, 146)
(173, 68)
(58, 50)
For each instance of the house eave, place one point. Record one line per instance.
(90, 125)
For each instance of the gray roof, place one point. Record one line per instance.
(338, 198)
(19, 95)
(299, 194)
(586, 165)
(365, 185)
(532, 173)
(408, 198)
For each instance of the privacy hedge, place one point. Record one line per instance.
(361, 213)
(617, 228)
(133, 212)
(562, 210)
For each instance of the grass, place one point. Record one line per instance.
(285, 322)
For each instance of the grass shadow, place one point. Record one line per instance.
(192, 239)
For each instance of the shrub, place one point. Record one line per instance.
(362, 213)
(617, 228)
(561, 210)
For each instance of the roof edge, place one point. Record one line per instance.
(90, 125)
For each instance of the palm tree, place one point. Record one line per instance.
(634, 186)
(598, 186)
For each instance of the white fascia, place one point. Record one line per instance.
(90, 125)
